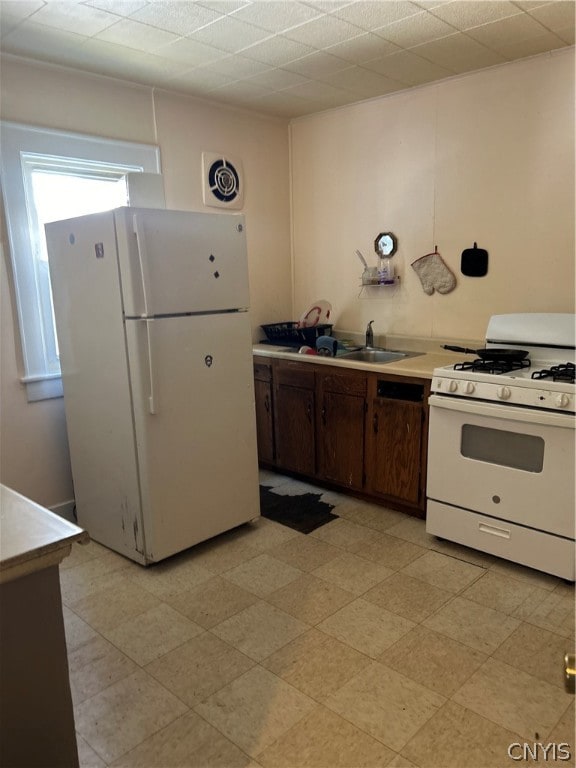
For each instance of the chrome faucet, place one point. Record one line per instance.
(369, 335)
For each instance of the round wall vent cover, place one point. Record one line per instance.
(223, 184)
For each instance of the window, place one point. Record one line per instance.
(49, 175)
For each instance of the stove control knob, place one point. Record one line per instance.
(452, 385)
(503, 393)
(562, 400)
(469, 387)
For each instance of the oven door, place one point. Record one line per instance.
(512, 463)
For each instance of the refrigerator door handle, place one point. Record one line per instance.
(151, 399)
(143, 261)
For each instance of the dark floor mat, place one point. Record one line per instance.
(303, 513)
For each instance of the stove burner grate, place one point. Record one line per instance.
(563, 372)
(493, 366)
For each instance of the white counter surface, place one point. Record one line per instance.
(32, 537)
(420, 367)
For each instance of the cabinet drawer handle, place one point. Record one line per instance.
(324, 415)
(494, 531)
(375, 423)
(309, 412)
(267, 404)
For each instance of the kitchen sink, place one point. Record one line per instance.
(377, 355)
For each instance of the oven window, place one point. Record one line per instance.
(498, 446)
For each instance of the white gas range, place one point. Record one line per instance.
(501, 444)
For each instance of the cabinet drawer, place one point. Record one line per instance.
(344, 383)
(295, 375)
(263, 371)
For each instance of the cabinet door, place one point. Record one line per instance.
(294, 422)
(395, 448)
(264, 421)
(340, 426)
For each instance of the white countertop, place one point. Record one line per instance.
(32, 537)
(420, 367)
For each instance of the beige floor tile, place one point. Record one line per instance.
(325, 740)
(171, 576)
(390, 551)
(556, 612)
(189, 742)
(370, 515)
(262, 575)
(110, 606)
(76, 629)
(366, 627)
(305, 553)
(564, 732)
(272, 479)
(433, 660)
(459, 552)
(536, 651)
(310, 599)
(455, 737)
(443, 572)
(198, 668)
(79, 554)
(259, 630)
(94, 666)
(124, 714)
(411, 598)
(223, 552)
(256, 709)
(152, 634)
(92, 576)
(87, 758)
(352, 573)
(212, 602)
(520, 572)
(513, 699)
(414, 530)
(475, 625)
(385, 704)
(264, 534)
(292, 487)
(317, 664)
(344, 534)
(505, 594)
(399, 761)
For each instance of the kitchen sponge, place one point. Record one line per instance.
(434, 274)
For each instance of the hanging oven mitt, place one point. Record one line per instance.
(434, 274)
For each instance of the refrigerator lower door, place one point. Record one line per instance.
(193, 392)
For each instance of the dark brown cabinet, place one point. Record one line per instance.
(340, 427)
(264, 413)
(352, 429)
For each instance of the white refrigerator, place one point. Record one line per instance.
(155, 345)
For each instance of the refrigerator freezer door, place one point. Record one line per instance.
(173, 262)
(193, 391)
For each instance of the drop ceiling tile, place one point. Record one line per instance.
(237, 67)
(317, 64)
(181, 18)
(459, 53)
(241, 89)
(314, 91)
(73, 17)
(362, 81)
(528, 5)
(518, 49)
(199, 80)
(280, 105)
(224, 6)
(328, 6)
(124, 8)
(277, 16)
(229, 34)
(408, 68)
(372, 15)
(111, 59)
(133, 34)
(277, 51)
(323, 32)
(555, 16)
(276, 79)
(415, 30)
(567, 34)
(499, 35)
(190, 52)
(11, 11)
(362, 48)
(466, 14)
(44, 43)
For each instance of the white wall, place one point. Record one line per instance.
(34, 451)
(488, 157)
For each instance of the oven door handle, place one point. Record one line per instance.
(502, 411)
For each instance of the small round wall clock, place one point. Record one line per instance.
(386, 244)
